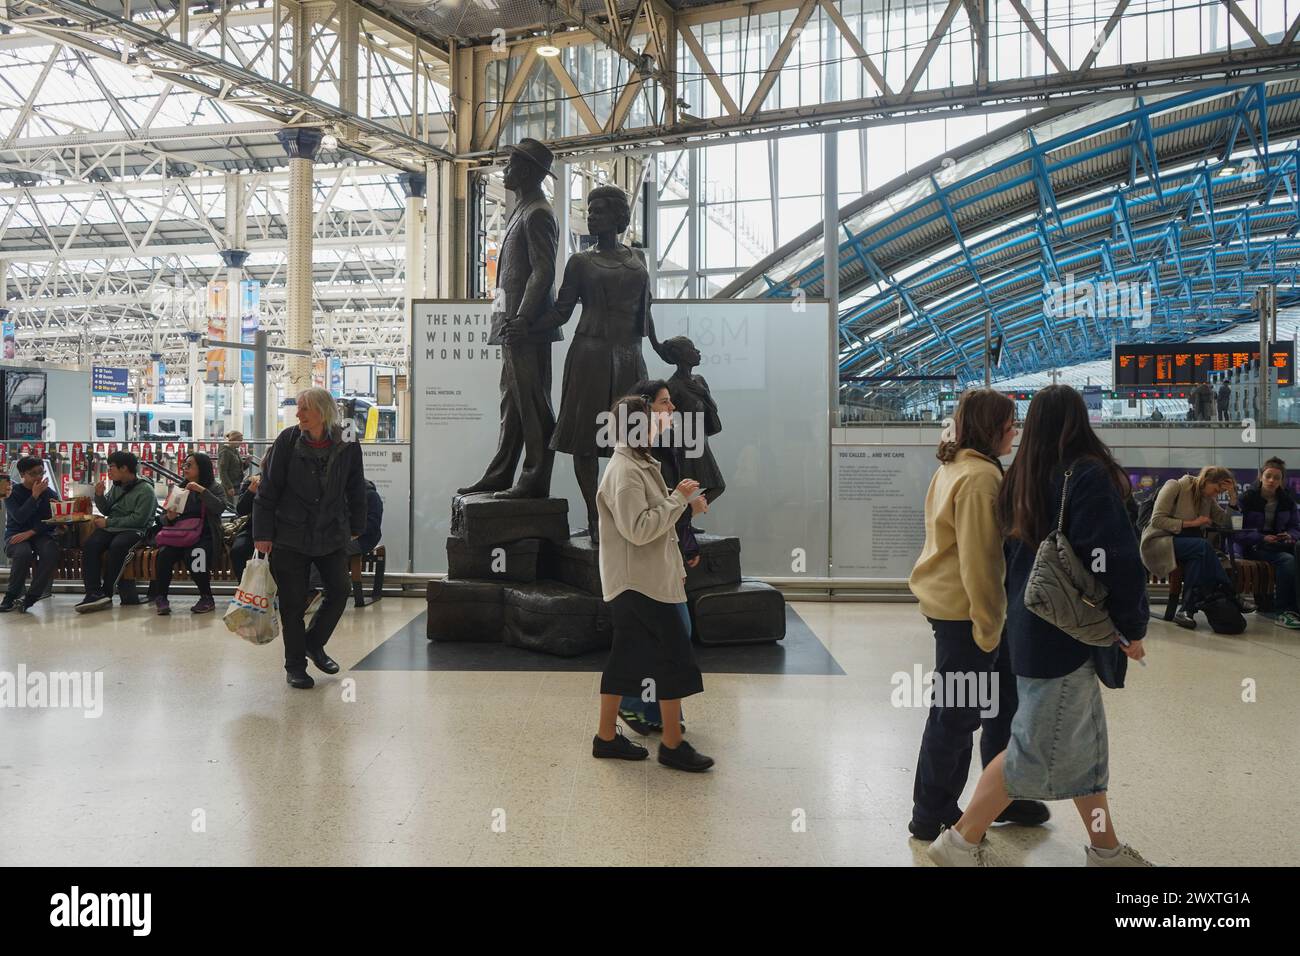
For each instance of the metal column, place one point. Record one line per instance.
(301, 144)
(831, 255)
(234, 260)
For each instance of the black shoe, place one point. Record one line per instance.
(1183, 619)
(134, 601)
(927, 831)
(323, 661)
(684, 757)
(1026, 813)
(93, 602)
(29, 602)
(8, 604)
(299, 679)
(620, 748)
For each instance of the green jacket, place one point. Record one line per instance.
(128, 507)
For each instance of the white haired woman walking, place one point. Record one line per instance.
(310, 504)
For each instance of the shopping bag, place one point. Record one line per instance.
(254, 612)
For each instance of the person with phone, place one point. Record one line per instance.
(1270, 530)
(1059, 748)
(643, 716)
(644, 581)
(29, 543)
(1185, 507)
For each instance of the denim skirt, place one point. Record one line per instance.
(1058, 749)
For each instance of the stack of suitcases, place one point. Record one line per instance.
(515, 576)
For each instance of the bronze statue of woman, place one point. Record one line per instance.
(604, 359)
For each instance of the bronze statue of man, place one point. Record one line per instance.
(525, 276)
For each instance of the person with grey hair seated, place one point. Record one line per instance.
(310, 504)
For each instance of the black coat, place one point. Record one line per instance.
(1095, 518)
(309, 510)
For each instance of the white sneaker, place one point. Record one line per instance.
(1127, 856)
(945, 851)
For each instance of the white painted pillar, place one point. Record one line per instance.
(301, 145)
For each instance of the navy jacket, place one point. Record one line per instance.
(25, 513)
(1095, 517)
(305, 508)
(1253, 514)
(374, 519)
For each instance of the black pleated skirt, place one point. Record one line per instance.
(650, 644)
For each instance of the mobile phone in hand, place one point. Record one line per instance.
(698, 492)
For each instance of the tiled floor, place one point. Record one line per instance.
(204, 756)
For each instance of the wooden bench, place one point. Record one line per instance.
(143, 565)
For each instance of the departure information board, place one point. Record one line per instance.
(1171, 365)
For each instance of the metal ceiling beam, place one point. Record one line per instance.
(87, 26)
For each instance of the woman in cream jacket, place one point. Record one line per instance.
(643, 580)
(1183, 507)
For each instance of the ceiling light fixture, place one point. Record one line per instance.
(142, 71)
(548, 49)
(329, 141)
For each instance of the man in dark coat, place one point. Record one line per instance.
(525, 276)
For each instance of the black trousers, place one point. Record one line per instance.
(43, 552)
(944, 762)
(167, 559)
(291, 570)
(102, 557)
(241, 552)
(527, 420)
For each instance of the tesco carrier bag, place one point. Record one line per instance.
(252, 614)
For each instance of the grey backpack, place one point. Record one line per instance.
(1063, 592)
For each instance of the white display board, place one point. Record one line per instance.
(455, 403)
(388, 465)
(879, 508)
(767, 365)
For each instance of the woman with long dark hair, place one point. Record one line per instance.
(958, 580)
(643, 579)
(202, 510)
(1059, 747)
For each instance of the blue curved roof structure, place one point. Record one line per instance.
(1132, 220)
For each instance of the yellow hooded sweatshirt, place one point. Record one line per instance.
(960, 575)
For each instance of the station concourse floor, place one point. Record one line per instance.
(204, 756)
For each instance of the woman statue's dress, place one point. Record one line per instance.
(604, 359)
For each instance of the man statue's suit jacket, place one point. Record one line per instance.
(526, 271)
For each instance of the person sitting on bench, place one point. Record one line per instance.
(241, 547)
(127, 512)
(1174, 537)
(1271, 528)
(366, 543)
(202, 510)
(28, 542)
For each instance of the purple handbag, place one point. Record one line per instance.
(183, 532)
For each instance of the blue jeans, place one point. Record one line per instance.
(1284, 590)
(1202, 571)
(648, 710)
